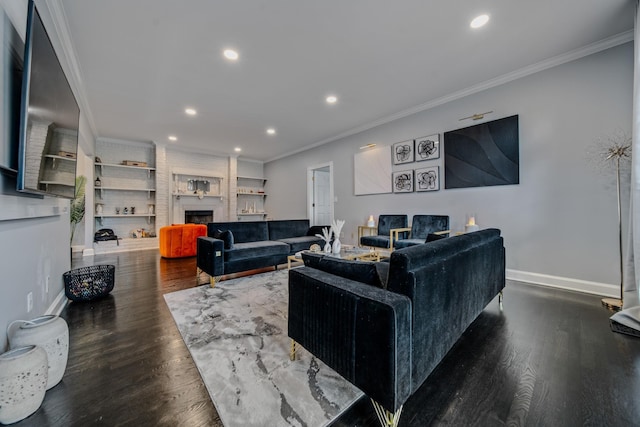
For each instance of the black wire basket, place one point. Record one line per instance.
(88, 283)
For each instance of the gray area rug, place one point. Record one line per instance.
(237, 336)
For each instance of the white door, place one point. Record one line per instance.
(321, 197)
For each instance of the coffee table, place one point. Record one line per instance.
(349, 253)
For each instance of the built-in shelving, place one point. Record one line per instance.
(123, 186)
(101, 167)
(101, 217)
(251, 197)
(64, 184)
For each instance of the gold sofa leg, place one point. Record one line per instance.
(386, 418)
(292, 351)
(500, 298)
(212, 281)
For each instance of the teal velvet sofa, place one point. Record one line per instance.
(385, 327)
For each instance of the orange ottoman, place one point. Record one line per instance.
(180, 240)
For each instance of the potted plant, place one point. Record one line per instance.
(77, 204)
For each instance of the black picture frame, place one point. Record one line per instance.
(403, 152)
(403, 181)
(427, 179)
(427, 147)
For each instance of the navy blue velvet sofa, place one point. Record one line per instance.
(386, 338)
(231, 247)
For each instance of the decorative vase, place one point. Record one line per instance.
(23, 381)
(49, 332)
(327, 248)
(336, 246)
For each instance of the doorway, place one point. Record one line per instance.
(320, 194)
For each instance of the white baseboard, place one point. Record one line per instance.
(585, 286)
(88, 252)
(58, 304)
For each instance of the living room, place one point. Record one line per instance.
(559, 223)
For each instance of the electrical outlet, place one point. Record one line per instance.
(342, 234)
(46, 285)
(29, 302)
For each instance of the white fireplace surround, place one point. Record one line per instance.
(182, 204)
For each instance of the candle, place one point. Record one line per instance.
(370, 222)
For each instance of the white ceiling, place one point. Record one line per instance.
(143, 62)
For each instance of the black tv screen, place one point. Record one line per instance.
(49, 118)
(483, 155)
(11, 76)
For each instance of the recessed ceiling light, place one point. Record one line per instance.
(230, 54)
(479, 21)
(271, 131)
(191, 111)
(173, 138)
(237, 149)
(332, 99)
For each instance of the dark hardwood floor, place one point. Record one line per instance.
(548, 359)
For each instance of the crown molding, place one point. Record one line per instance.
(573, 55)
(63, 35)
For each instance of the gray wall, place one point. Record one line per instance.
(559, 223)
(34, 233)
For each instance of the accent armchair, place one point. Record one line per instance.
(384, 238)
(421, 227)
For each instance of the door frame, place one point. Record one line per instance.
(310, 170)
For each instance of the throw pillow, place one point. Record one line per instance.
(226, 236)
(360, 271)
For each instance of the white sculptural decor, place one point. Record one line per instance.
(326, 236)
(23, 381)
(49, 332)
(336, 228)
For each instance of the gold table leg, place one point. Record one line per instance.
(292, 351)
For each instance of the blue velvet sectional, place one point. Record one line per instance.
(231, 247)
(385, 326)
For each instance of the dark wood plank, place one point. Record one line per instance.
(548, 359)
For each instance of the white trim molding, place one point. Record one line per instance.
(58, 304)
(584, 286)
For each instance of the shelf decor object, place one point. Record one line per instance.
(49, 332)
(23, 381)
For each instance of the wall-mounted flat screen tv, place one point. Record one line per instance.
(49, 118)
(482, 155)
(12, 49)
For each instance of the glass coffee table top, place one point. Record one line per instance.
(348, 253)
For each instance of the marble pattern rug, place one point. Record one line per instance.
(237, 336)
